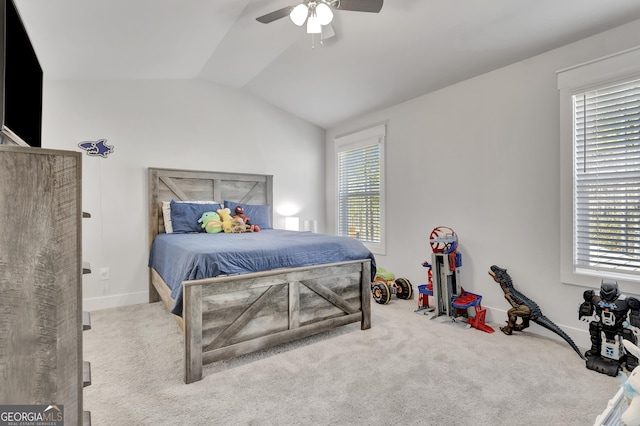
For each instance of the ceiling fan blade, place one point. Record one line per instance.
(273, 16)
(327, 32)
(360, 5)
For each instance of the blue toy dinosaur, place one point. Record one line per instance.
(524, 308)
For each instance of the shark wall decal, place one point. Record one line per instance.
(99, 148)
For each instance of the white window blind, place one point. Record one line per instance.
(607, 178)
(359, 193)
(360, 187)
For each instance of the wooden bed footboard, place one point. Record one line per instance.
(225, 317)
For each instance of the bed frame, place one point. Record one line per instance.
(228, 316)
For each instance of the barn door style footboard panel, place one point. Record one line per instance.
(225, 317)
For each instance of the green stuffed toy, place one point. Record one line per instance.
(211, 222)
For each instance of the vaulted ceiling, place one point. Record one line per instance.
(374, 60)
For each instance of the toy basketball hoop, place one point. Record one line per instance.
(443, 240)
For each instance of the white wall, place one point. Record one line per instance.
(482, 157)
(175, 124)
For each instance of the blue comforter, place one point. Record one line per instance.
(182, 257)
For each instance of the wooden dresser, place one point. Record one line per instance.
(41, 318)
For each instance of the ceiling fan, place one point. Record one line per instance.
(319, 12)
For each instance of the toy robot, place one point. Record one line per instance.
(607, 313)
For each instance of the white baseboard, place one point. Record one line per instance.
(106, 302)
(494, 316)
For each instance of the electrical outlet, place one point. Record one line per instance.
(104, 273)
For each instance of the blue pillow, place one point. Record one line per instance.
(184, 216)
(258, 214)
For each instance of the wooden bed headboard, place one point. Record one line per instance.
(193, 185)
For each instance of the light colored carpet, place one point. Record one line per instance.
(405, 370)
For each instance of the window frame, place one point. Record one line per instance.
(600, 73)
(371, 136)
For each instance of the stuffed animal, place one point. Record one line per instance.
(225, 217)
(211, 222)
(631, 388)
(231, 224)
(240, 214)
(238, 225)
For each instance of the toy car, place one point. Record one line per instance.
(385, 284)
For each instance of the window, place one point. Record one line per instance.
(600, 169)
(607, 177)
(360, 161)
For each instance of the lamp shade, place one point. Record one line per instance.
(292, 223)
(324, 14)
(313, 25)
(299, 14)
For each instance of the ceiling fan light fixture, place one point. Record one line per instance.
(318, 14)
(313, 25)
(324, 14)
(299, 14)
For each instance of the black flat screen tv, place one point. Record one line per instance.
(21, 80)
